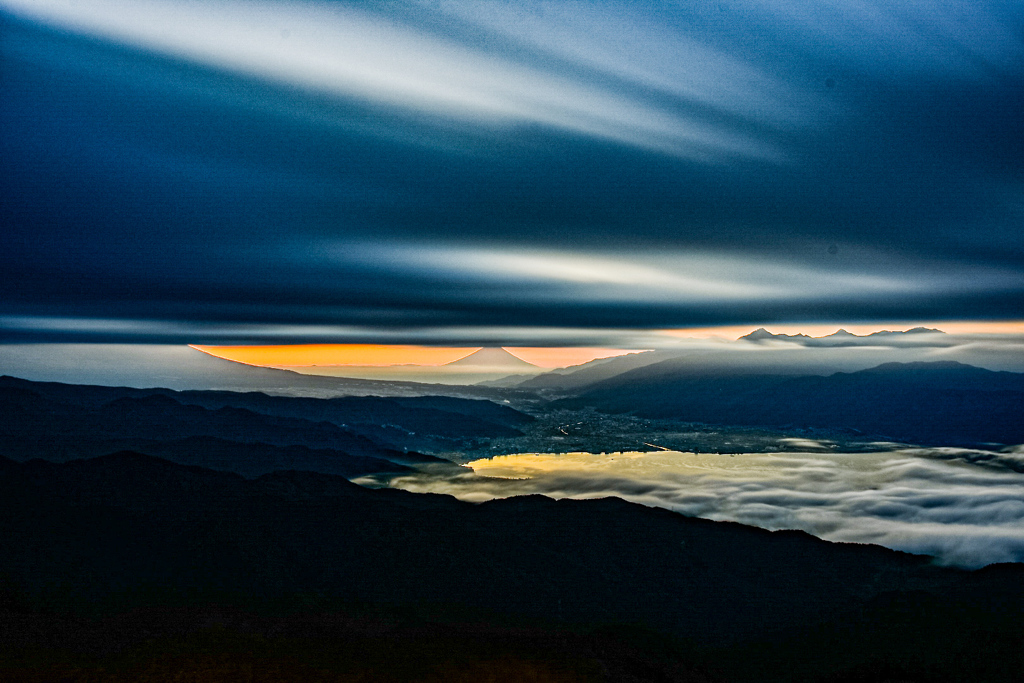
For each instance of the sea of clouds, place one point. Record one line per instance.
(964, 507)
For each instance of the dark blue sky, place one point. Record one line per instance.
(224, 171)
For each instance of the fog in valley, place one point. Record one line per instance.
(964, 507)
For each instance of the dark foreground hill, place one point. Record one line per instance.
(91, 542)
(248, 433)
(945, 403)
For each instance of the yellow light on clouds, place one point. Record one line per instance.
(635, 465)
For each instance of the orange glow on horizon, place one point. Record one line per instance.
(337, 354)
(385, 355)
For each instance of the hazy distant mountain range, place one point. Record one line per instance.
(935, 403)
(917, 335)
(183, 368)
(763, 353)
(788, 381)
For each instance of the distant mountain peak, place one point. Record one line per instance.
(924, 366)
(841, 336)
(491, 357)
(761, 334)
(915, 330)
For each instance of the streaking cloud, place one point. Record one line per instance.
(670, 61)
(346, 51)
(669, 276)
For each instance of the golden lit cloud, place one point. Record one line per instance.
(627, 464)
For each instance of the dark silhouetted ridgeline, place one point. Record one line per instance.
(90, 540)
(943, 403)
(249, 433)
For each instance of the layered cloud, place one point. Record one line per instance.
(401, 58)
(534, 165)
(963, 507)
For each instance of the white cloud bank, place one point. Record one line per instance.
(926, 501)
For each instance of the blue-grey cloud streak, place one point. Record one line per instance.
(527, 164)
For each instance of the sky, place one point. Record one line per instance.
(522, 174)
